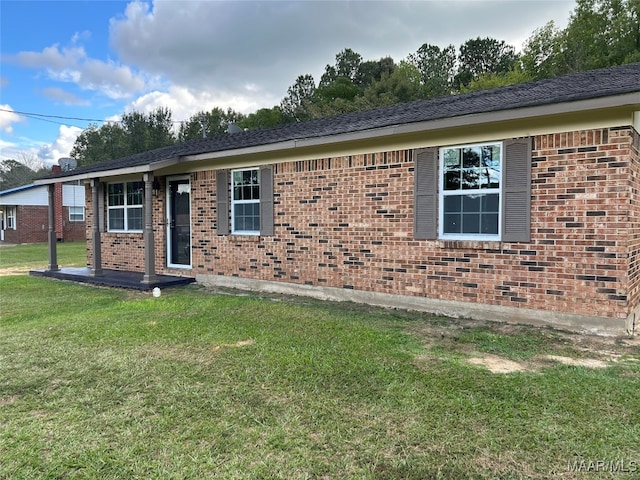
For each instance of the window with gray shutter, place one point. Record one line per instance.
(425, 193)
(222, 201)
(516, 191)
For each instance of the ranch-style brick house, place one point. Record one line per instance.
(518, 203)
(24, 214)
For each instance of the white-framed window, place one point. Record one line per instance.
(124, 206)
(470, 192)
(11, 218)
(76, 214)
(245, 201)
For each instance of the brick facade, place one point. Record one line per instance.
(347, 222)
(32, 225)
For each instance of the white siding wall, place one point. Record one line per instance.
(31, 196)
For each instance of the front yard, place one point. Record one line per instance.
(111, 384)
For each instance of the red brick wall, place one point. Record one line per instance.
(634, 220)
(347, 222)
(32, 225)
(72, 231)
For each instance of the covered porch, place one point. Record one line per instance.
(95, 273)
(113, 278)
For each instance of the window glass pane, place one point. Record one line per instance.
(471, 203)
(491, 170)
(452, 223)
(115, 194)
(76, 214)
(237, 183)
(246, 185)
(11, 217)
(134, 193)
(452, 180)
(255, 217)
(452, 204)
(489, 223)
(490, 202)
(470, 179)
(471, 223)
(247, 217)
(238, 218)
(134, 218)
(116, 219)
(471, 157)
(451, 158)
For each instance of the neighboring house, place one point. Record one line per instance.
(520, 203)
(24, 216)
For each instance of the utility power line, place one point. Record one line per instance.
(46, 118)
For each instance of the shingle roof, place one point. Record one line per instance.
(579, 86)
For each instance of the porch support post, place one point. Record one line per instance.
(96, 191)
(52, 238)
(149, 241)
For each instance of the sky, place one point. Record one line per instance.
(67, 64)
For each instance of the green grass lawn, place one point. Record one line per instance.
(102, 383)
(22, 258)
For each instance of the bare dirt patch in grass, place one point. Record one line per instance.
(4, 272)
(578, 362)
(463, 337)
(497, 364)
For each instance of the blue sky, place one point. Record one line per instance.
(76, 60)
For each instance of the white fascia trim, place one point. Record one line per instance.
(118, 172)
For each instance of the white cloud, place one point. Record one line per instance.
(47, 153)
(184, 102)
(61, 147)
(225, 46)
(72, 65)
(7, 118)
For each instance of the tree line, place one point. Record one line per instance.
(600, 33)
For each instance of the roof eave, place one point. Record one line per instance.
(630, 99)
(116, 172)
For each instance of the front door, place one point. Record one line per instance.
(179, 222)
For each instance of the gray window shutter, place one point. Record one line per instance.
(266, 200)
(516, 190)
(425, 225)
(222, 201)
